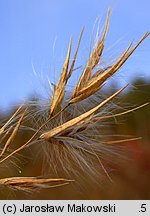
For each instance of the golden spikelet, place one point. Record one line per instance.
(96, 81)
(12, 136)
(75, 121)
(29, 184)
(26, 184)
(66, 73)
(92, 62)
(59, 90)
(10, 120)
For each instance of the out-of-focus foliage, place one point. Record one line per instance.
(130, 176)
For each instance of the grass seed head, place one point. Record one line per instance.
(71, 135)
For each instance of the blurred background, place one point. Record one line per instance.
(34, 39)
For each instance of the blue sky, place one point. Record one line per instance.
(35, 33)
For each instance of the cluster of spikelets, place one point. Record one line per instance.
(27, 184)
(69, 130)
